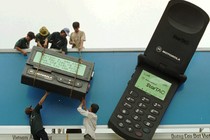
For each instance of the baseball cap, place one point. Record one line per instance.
(66, 30)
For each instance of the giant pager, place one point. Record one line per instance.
(59, 73)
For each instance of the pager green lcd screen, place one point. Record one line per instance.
(59, 63)
(153, 85)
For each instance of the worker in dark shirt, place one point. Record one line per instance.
(41, 37)
(36, 125)
(58, 40)
(24, 43)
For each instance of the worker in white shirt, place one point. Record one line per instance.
(90, 119)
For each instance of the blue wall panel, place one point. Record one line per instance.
(190, 105)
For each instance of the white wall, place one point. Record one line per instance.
(107, 23)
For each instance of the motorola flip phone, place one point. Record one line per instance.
(159, 71)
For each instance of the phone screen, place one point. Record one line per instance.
(153, 85)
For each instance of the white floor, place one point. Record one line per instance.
(178, 132)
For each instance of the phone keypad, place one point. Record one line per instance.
(130, 99)
(138, 114)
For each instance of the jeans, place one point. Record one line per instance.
(40, 134)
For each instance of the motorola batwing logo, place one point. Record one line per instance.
(159, 49)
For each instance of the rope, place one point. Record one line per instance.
(35, 76)
(75, 77)
(67, 136)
